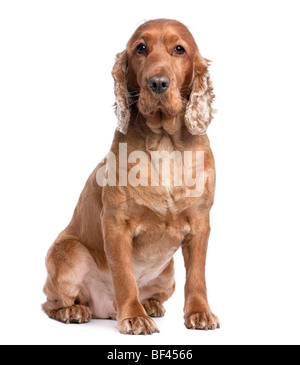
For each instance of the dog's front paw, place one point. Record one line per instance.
(138, 325)
(201, 320)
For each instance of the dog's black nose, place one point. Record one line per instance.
(159, 83)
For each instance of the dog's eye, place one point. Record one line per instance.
(178, 51)
(141, 49)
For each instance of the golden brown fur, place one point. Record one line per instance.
(115, 258)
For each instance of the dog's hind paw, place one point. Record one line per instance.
(73, 314)
(154, 308)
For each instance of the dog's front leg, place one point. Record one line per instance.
(197, 313)
(131, 315)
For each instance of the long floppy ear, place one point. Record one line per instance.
(119, 74)
(199, 112)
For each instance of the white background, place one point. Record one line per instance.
(57, 123)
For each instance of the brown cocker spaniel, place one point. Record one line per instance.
(115, 258)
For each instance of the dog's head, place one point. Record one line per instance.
(163, 73)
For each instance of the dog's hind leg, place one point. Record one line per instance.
(68, 264)
(158, 291)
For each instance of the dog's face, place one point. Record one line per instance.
(163, 71)
(160, 67)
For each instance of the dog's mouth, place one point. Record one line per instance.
(167, 104)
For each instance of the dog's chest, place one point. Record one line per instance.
(154, 246)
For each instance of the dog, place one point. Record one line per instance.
(115, 258)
